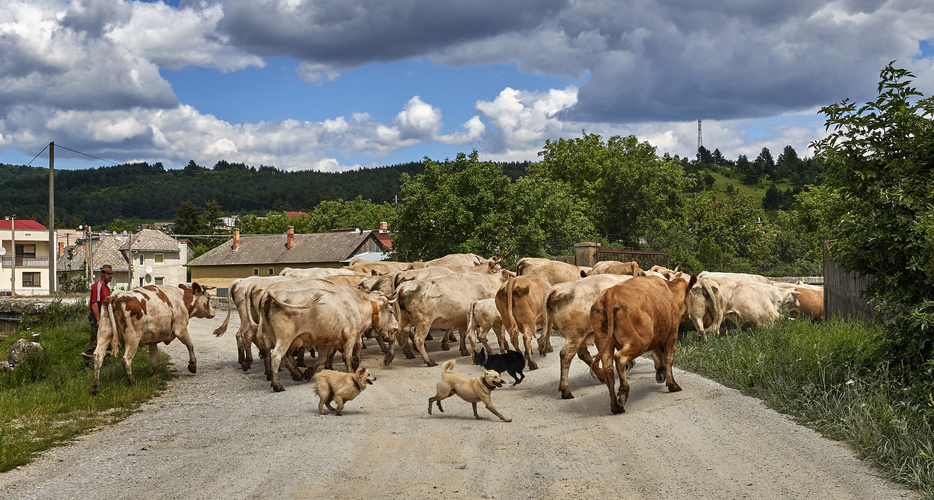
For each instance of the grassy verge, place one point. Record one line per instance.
(817, 374)
(45, 401)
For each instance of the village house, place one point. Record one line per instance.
(149, 257)
(28, 249)
(268, 255)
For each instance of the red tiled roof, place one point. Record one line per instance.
(21, 224)
(297, 214)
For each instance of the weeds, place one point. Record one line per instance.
(824, 376)
(45, 401)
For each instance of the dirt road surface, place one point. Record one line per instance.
(224, 434)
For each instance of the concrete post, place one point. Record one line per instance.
(585, 254)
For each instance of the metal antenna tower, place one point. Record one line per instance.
(700, 138)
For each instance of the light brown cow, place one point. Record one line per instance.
(440, 303)
(456, 259)
(741, 277)
(566, 308)
(635, 317)
(519, 302)
(383, 284)
(616, 267)
(552, 271)
(361, 266)
(320, 318)
(147, 316)
(810, 302)
(485, 317)
(746, 304)
(316, 272)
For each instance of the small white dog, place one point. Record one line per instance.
(340, 387)
(472, 390)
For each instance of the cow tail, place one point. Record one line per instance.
(223, 328)
(510, 288)
(546, 325)
(249, 305)
(397, 310)
(116, 339)
(605, 352)
(471, 320)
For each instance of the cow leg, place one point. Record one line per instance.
(347, 352)
(500, 337)
(153, 352)
(128, 353)
(667, 356)
(527, 335)
(276, 356)
(514, 337)
(546, 337)
(404, 342)
(483, 340)
(300, 358)
(297, 375)
(622, 396)
(445, 339)
(421, 331)
(104, 337)
(184, 338)
(462, 330)
(567, 352)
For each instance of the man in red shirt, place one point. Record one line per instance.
(99, 292)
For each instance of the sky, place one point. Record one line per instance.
(337, 85)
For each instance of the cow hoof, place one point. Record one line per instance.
(660, 376)
(532, 365)
(94, 391)
(193, 367)
(409, 356)
(432, 363)
(674, 388)
(277, 387)
(619, 410)
(445, 347)
(566, 395)
(388, 359)
(465, 352)
(299, 377)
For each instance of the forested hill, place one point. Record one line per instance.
(146, 192)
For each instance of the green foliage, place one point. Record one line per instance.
(120, 225)
(824, 375)
(626, 187)
(328, 215)
(880, 166)
(730, 226)
(470, 206)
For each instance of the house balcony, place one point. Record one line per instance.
(25, 262)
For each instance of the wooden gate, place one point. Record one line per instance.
(645, 259)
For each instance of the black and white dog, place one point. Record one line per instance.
(512, 362)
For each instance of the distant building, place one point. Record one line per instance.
(31, 256)
(268, 255)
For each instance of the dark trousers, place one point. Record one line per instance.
(92, 344)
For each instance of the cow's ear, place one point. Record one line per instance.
(182, 286)
(197, 288)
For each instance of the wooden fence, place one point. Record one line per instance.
(843, 292)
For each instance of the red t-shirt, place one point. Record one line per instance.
(99, 292)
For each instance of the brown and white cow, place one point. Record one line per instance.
(552, 271)
(615, 267)
(440, 303)
(635, 317)
(566, 308)
(147, 316)
(810, 302)
(316, 317)
(519, 302)
(485, 317)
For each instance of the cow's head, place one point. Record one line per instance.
(386, 318)
(790, 298)
(198, 301)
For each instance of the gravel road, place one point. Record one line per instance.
(223, 433)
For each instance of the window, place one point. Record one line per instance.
(31, 279)
(141, 282)
(160, 281)
(28, 251)
(142, 261)
(159, 259)
(271, 272)
(255, 272)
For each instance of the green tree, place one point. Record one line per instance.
(120, 225)
(188, 219)
(731, 224)
(880, 163)
(212, 214)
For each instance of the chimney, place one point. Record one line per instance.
(290, 237)
(236, 238)
(61, 248)
(383, 226)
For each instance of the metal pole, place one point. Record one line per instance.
(52, 244)
(13, 278)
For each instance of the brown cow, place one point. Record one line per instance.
(810, 302)
(632, 318)
(519, 302)
(147, 316)
(616, 267)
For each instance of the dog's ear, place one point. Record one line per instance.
(361, 370)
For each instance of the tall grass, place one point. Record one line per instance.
(825, 376)
(46, 401)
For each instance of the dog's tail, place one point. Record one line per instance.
(448, 365)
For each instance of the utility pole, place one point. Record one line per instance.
(52, 244)
(13, 278)
(700, 138)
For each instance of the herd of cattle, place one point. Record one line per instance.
(622, 309)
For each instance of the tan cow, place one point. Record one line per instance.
(742, 277)
(383, 284)
(147, 316)
(552, 271)
(616, 267)
(320, 318)
(361, 266)
(440, 303)
(566, 308)
(316, 272)
(519, 302)
(635, 317)
(456, 259)
(746, 304)
(485, 317)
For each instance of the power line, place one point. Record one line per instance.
(85, 154)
